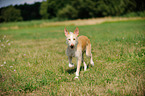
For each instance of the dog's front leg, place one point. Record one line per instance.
(70, 61)
(78, 67)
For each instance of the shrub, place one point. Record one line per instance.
(11, 14)
(68, 12)
(135, 14)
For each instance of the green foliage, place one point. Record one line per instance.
(29, 12)
(85, 8)
(73, 9)
(11, 14)
(135, 14)
(43, 10)
(67, 12)
(115, 7)
(49, 8)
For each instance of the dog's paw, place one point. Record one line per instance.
(92, 63)
(71, 65)
(85, 66)
(76, 77)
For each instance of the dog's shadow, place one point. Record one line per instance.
(73, 70)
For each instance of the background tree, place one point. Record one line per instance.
(11, 14)
(30, 11)
(43, 10)
(73, 9)
(115, 7)
(85, 8)
(67, 12)
(49, 8)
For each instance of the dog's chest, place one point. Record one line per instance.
(73, 53)
(70, 52)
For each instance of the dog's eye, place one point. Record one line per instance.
(69, 39)
(74, 39)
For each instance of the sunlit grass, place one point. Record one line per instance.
(33, 61)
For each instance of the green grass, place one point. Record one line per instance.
(32, 23)
(33, 61)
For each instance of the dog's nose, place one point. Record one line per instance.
(72, 45)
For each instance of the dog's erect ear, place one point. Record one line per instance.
(76, 31)
(66, 32)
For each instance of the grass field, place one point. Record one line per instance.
(33, 60)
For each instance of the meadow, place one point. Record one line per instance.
(33, 60)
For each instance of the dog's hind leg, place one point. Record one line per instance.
(91, 61)
(85, 65)
(89, 54)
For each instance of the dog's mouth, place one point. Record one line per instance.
(72, 46)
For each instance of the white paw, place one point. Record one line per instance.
(92, 63)
(76, 77)
(71, 65)
(85, 66)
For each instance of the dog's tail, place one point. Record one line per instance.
(88, 49)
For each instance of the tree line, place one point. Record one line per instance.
(70, 9)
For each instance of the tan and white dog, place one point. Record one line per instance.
(77, 46)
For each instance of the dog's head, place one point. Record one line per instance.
(71, 37)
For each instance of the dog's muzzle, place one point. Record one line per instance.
(72, 46)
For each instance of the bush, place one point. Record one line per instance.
(11, 14)
(43, 10)
(135, 14)
(68, 12)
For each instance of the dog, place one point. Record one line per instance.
(77, 46)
